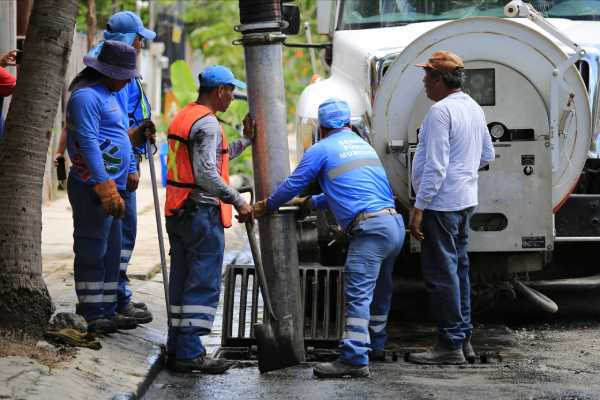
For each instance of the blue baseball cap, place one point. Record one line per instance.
(129, 22)
(334, 113)
(216, 75)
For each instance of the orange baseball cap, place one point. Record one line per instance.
(443, 61)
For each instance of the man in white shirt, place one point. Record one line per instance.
(454, 143)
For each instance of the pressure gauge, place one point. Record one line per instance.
(497, 131)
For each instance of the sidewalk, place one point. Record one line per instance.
(126, 359)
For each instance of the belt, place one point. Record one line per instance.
(366, 215)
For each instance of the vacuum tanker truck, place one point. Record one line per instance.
(533, 68)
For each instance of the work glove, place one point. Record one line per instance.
(260, 208)
(146, 131)
(244, 213)
(249, 127)
(133, 181)
(111, 200)
(304, 203)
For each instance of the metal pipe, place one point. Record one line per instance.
(577, 239)
(262, 42)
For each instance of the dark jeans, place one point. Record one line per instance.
(445, 266)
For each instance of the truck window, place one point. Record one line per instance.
(365, 14)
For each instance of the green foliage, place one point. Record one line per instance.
(232, 125)
(104, 10)
(211, 25)
(183, 82)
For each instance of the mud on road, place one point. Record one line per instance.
(558, 360)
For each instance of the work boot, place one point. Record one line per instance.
(377, 355)
(468, 350)
(338, 369)
(202, 364)
(123, 322)
(439, 355)
(141, 316)
(139, 304)
(102, 326)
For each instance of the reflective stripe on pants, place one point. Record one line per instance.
(128, 242)
(97, 247)
(197, 244)
(374, 246)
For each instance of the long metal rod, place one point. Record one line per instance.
(577, 239)
(161, 240)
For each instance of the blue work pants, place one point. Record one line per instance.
(128, 242)
(197, 245)
(445, 266)
(97, 246)
(374, 246)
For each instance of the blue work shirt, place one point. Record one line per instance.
(349, 172)
(138, 109)
(97, 139)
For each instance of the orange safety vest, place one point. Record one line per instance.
(180, 174)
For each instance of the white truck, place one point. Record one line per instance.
(535, 74)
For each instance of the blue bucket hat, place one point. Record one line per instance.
(334, 114)
(217, 75)
(116, 60)
(129, 22)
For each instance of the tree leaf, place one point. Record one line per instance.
(183, 82)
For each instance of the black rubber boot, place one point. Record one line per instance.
(139, 305)
(102, 326)
(377, 355)
(202, 364)
(439, 355)
(140, 315)
(338, 369)
(468, 350)
(123, 322)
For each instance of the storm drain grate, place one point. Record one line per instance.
(322, 296)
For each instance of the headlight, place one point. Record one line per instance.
(497, 131)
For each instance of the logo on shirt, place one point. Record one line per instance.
(112, 163)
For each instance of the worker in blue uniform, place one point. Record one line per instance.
(357, 191)
(127, 27)
(100, 149)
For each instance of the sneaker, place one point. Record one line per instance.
(377, 355)
(338, 369)
(141, 316)
(139, 304)
(102, 326)
(439, 355)
(468, 351)
(123, 322)
(202, 364)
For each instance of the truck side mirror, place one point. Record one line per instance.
(291, 15)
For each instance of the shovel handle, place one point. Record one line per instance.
(161, 240)
(260, 272)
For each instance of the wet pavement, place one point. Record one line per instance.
(540, 361)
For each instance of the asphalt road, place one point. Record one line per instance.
(540, 361)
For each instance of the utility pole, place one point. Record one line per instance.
(262, 40)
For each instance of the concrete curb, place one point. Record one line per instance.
(156, 362)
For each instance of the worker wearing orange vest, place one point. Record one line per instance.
(198, 207)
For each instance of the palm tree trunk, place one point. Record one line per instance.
(91, 23)
(24, 300)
